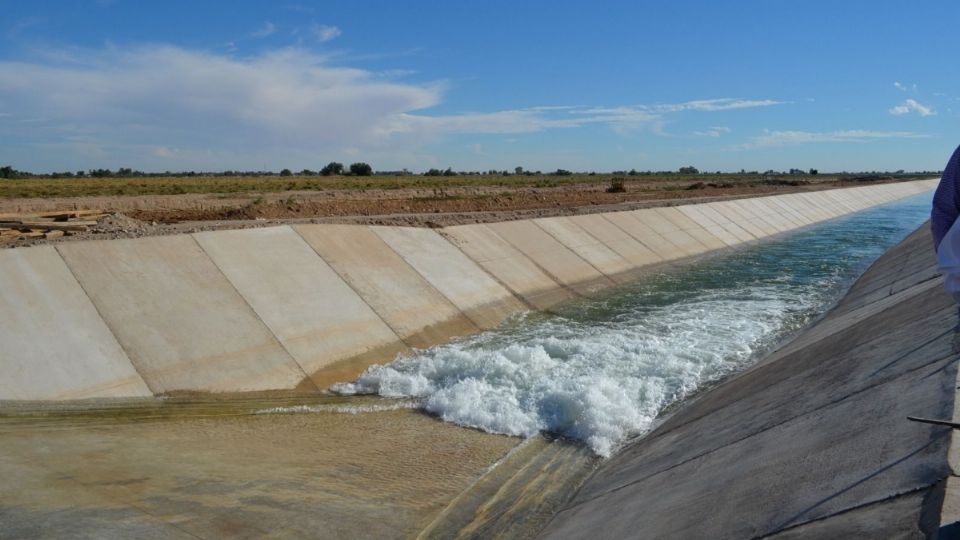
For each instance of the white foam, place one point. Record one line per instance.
(595, 382)
(340, 409)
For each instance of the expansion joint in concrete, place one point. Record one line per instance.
(126, 353)
(506, 287)
(546, 271)
(562, 244)
(386, 323)
(246, 302)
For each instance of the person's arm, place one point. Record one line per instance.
(946, 201)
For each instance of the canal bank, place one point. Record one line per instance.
(295, 309)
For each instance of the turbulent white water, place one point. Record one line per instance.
(603, 369)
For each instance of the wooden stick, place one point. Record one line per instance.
(947, 423)
(72, 227)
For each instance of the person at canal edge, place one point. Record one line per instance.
(946, 227)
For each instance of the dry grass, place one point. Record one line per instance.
(173, 185)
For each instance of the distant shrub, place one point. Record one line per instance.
(332, 168)
(361, 169)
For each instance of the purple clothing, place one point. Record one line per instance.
(946, 201)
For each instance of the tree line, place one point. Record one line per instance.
(364, 169)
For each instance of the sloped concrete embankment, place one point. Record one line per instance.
(296, 308)
(813, 442)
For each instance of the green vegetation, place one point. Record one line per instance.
(361, 169)
(332, 168)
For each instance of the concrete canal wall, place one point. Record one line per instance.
(814, 441)
(297, 308)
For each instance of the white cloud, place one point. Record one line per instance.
(325, 33)
(722, 104)
(782, 138)
(910, 106)
(283, 101)
(267, 29)
(717, 131)
(395, 73)
(164, 107)
(904, 88)
(705, 105)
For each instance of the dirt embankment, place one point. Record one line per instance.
(147, 215)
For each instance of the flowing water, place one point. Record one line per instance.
(602, 369)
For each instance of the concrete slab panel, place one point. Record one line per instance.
(825, 206)
(678, 218)
(642, 233)
(480, 297)
(707, 224)
(53, 343)
(183, 325)
(780, 204)
(617, 240)
(829, 207)
(587, 247)
(690, 227)
(320, 320)
(841, 207)
(557, 260)
(774, 215)
(786, 216)
(757, 216)
(507, 264)
(878, 195)
(841, 199)
(738, 217)
(864, 197)
(687, 243)
(887, 195)
(415, 310)
(738, 231)
(802, 208)
(710, 212)
(653, 218)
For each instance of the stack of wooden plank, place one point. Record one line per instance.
(47, 224)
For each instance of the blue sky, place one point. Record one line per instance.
(181, 85)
